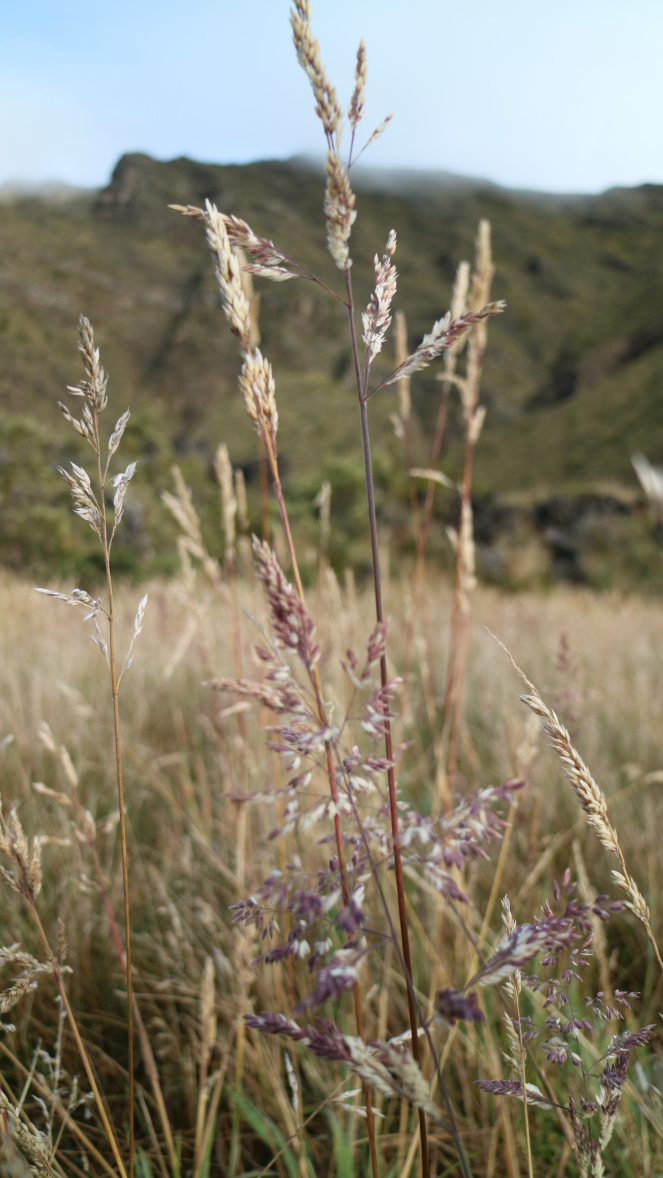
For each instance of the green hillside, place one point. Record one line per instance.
(573, 376)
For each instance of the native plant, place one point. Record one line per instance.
(227, 234)
(89, 495)
(569, 1026)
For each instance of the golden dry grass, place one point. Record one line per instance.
(182, 753)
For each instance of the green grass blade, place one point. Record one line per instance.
(265, 1128)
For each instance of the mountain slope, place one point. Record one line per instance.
(573, 375)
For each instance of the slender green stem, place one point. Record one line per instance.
(120, 794)
(528, 1143)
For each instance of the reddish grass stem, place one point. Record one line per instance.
(391, 778)
(317, 687)
(264, 493)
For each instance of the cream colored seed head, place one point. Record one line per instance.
(339, 211)
(228, 274)
(257, 386)
(357, 102)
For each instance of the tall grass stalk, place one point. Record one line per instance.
(257, 386)
(458, 308)
(120, 791)
(91, 507)
(465, 576)
(362, 380)
(270, 448)
(340, 213)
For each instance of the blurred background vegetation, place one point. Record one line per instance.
(573, 375)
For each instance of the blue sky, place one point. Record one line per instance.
(564, 96)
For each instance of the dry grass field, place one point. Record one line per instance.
(277, 862)
(193, 852)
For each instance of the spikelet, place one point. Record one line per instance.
(433, 476)
(116, 436)
(479, 294)
(138, 629)
(514, 1088)
(233, 299)
(26, 877)
(270, 261)
(583, 1142)
(76, 597)
(308, 54)
(520, 946)
(442, 335)
(339, 211)
(84, 499)
(378, 131)
(84, 427)
(256, 383)
(359, 93)
(33, 1148)
(513, 986)
(121, 483)
(224, 477)
(591, 797)
(94, 386)
(281, 699)
(389, 1068)
(377, 316)
(293, 626)
(253, 299)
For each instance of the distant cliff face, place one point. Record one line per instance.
(573, 375)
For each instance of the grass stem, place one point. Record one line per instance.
(317, 687)
(120, 795)
(389, 752)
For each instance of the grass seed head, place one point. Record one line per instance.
(339, 211)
